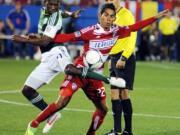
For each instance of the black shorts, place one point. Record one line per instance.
(167, 40)
(127, 73)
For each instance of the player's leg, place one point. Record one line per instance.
(68, 87)
(129, 73)
(95, 91)
(115, 99)
(34, 97)
(116, 109)
(98, 116)
(127, 111)
(62, 101)
(52, 63)
(40, 76)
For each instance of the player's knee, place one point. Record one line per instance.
(105, 109)
(114, 94)
(28, 92)
(25, 90)
(124, 94)
(66, 92)
(62, 102)
(103, 112)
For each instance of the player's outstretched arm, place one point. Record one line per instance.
(85, 73)
(33, 39)
(141, 24)
(62, 38)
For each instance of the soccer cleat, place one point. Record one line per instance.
(30, 130)
(51, 121)
(112, 132)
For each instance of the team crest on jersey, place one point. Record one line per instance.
(74, 86)
(48, 29)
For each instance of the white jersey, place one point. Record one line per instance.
(49, 25)
(54, 59)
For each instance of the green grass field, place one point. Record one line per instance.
(156, 101)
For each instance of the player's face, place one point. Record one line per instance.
(52, 6)
(107, 18)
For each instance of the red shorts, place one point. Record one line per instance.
(94, 89)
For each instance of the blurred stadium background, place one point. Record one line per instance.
(157, 88)
(149, 43)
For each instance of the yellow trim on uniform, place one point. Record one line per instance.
(126, 45)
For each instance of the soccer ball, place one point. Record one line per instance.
(93, 59)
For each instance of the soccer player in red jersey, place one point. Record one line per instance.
(102, 37)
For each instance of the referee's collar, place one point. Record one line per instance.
(119, 9)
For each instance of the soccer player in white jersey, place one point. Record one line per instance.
(50, 24)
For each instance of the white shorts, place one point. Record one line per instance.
(52, 63)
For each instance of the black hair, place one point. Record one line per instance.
(107, 6)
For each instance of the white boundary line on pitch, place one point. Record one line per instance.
(54, 89)
(75, 109)
(19, 91)
(85, 110)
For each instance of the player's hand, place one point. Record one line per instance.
(120, 64)
(17, 38)
(76, 13)
(162, 13)
(118, 82)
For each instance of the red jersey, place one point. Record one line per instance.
(95, 37)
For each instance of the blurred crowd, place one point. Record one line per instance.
(160, 41)
(66, 2)
(78, 2)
